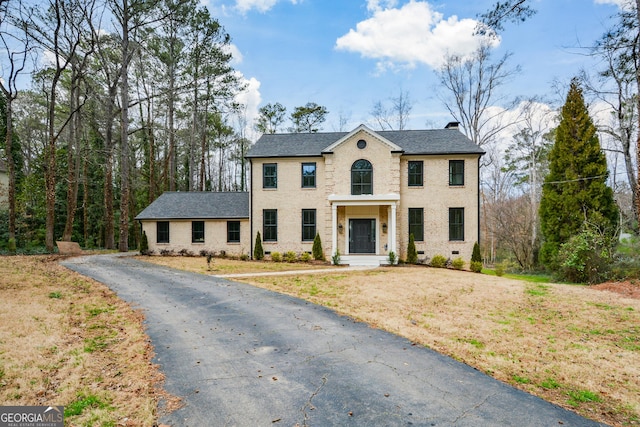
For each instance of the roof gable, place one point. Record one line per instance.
(197, 205)
(362, 130)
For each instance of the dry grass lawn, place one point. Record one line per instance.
(67, 340)
(572, 345)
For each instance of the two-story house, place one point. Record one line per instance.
(364, 192)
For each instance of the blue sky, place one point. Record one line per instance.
(349, 54)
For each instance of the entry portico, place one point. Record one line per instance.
(368, 224)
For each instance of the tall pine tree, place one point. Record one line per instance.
(575, 192)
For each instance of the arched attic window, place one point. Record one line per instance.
(361, 177)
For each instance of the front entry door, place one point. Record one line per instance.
(362, 236)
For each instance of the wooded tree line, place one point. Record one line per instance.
(128, 98)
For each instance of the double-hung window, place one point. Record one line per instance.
(308, 224)
(197, 232)
(416, 175)
(233, 231)
(162, 232)
(270, 175)
(308, 175)
(416, 223)
(270, 225)
(456, 224)
(456, 172)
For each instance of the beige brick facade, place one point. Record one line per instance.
(215, 237)
(385, 212)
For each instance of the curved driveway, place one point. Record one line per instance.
(244, 356)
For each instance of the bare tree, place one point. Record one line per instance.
(382, 116)
(16, 46)
(472, 86)
(402, 106)
(398, 113)
(615, 85)
(58, 26)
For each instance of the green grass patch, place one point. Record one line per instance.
(550, 384)
(55, 295)
(531, 278)
(84, 402)
(576, 397)
(538, 290)
(521, 380)
(95, 311)
(474, 342)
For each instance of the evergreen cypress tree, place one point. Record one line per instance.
(144, 244)
(412, 254)
(575, 192)
(258, 252)
(316, 250)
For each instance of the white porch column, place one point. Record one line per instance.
(392, 229)
(334, 228)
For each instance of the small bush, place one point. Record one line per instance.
(305, 257)
(290, 256)
(258, 252)
(144, 244)
(412, 254)
(438, 261)
(458, 263)
(318, 253)
(185, 252)
(223, 254)
(393, 259)
(586, 257)
(244, 257)
(166, 252)
(476, 266)
(500, 268)
(204, 252)
(276, 257)
(475, 255)
(209, 258)
(335, 259)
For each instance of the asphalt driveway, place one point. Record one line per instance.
(244, 356)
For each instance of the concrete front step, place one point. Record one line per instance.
(364, 260)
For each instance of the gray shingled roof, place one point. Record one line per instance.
(433, 141)
(198, 205)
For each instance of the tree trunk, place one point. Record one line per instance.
(109, 226)
(637, 49)
(11, 168)
(123, 244)
(73, 158)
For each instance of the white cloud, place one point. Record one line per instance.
(622, 4)
(412, 34)
(236, 55)
(376, 5)
(261, 6)
(251, 99)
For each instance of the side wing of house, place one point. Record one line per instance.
(198, 221)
